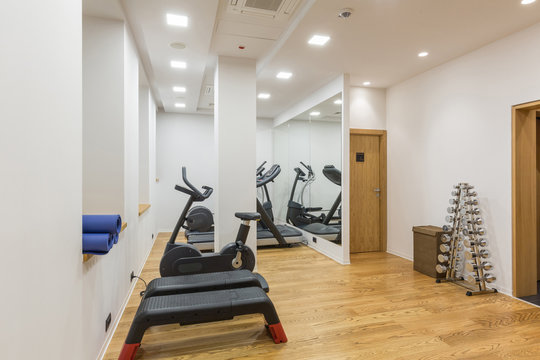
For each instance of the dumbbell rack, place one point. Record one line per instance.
(464, 231)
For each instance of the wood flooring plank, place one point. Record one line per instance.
(375, 308)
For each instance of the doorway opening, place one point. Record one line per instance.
(526, 201)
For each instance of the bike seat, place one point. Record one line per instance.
(248, 215)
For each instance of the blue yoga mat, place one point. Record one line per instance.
(97, 243)
(101, 224)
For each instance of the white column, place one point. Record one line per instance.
(235, 129)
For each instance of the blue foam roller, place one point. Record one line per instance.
(97, 242)
(115, 238)
(101, 224)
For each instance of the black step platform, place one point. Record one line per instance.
(198, 308)
(184, 284)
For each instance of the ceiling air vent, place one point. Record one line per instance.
(276, 9)
(209, 90)
(270, 5)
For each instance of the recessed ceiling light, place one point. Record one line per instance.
(423, 54)
(177, 20)
(319, 40)
(366, 83)
(180, 105)
(283, 75)
(178, 64)
(527, 2)
(263, 96)
(338, 102)
(179, 89)
(315, 113)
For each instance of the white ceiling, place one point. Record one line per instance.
(327, 109)
(378, 43)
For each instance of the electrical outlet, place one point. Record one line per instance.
(108, 322)
(314, 239)
(132, 276)
(152, 236)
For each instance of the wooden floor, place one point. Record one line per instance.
(376, 308)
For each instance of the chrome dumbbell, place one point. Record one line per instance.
(455, 193)
(444, 248)
(450, 209)
(475, 280)
(475, 221)
(472, 193)
(479, 231)
(445, 238)
(471, 202)
(453, 201)
(444, 258)
(472, 266)
(449, 218)
(441, 268)
(473, 211)
(469, 255)
(470, 243)
(448, 228)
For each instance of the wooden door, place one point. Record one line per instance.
(365, 221)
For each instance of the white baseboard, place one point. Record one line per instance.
(123, 307)
(400, 254)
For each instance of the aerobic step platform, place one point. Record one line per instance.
(198, 308)
(184, 284)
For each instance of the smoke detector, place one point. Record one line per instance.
(345, 13)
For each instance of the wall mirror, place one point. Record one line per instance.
(308, 148)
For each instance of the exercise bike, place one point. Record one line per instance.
(185, 259)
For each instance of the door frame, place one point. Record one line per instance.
(382, 178)
(524, 200)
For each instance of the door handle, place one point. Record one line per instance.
(377, 190)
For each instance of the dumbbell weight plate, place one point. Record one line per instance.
(444, 248)
(445, 238)
(443, 258)
(471, 266)
(441, 268)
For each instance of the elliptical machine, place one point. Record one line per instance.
(297, 214)
(184, 259)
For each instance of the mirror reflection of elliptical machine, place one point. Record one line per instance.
(297, 214)
(301, 217)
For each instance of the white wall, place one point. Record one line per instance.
(40, 179)
(182, 140)
(453, 124)
(188, 140)
(111, 176)
(264, 143)
(235, 138)
(103, 106)
(368, 108)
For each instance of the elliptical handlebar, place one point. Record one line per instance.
(299, 172)
(308, 167)
(260, 169)
(193, 191)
